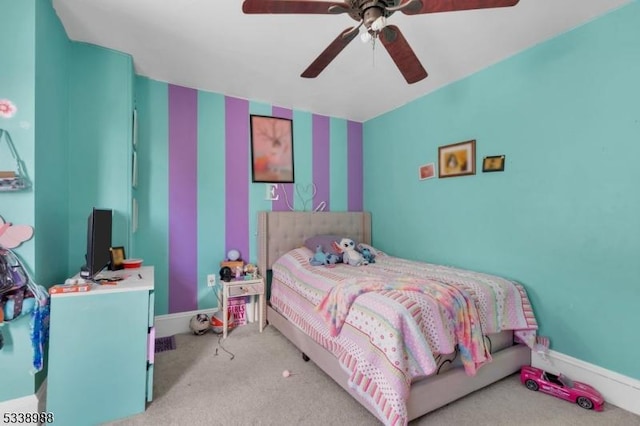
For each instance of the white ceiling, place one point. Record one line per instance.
(211, 45)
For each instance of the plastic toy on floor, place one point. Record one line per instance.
(561, 387)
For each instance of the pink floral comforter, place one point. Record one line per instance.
(387, 321)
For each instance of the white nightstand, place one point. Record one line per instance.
(242, 287)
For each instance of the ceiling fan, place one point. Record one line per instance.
(372, 14)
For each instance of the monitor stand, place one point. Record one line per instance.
(84, 271)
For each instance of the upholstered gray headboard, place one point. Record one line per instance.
(280, 232)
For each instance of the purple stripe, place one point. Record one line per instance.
(355, 170)
(321, 155)
(281, 203)
(237, 175)
(183, 200)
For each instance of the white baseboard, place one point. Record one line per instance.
(619, 390)
(170, 324)
(27, 404)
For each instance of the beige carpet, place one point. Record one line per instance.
(194, 386)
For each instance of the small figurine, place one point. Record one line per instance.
(251, 270)
(562, 387)
(225, 274)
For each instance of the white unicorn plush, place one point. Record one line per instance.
(350, 255)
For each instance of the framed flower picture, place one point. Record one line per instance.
(271, 149)
(426, 171)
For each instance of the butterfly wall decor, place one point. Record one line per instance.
(11, 236)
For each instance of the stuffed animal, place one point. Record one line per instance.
(367, 254)
(350, 255)
(332, 259)
(319, 258)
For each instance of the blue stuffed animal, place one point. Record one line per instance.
(367, 253)
(368, 256)
(319, 258)
(332, 259)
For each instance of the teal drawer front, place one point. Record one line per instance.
(152, 308)
(97, 357)
(150, 383)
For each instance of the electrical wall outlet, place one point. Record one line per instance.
(211, 280)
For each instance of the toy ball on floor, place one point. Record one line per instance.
(199, 324)
(217, 323)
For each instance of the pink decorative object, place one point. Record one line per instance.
(561, 387)
(11, 236)
(7, 108)
(286, 373)
(237, 309)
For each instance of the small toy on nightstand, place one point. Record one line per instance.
(561, 387)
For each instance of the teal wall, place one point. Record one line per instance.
(59, 86)
(100, 123)
(17, 76)
(51, 144)
(33, 77)
(215, 133)
(51, 149)
(17, 71)
(563, 218)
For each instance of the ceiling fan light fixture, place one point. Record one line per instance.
(365, 37)
(379, 24)
(372, 14)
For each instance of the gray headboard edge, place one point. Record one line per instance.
(279, 232)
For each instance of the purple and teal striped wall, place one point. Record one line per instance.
(195, 195)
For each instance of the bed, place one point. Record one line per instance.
(425, 362)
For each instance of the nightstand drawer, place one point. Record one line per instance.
(245, 289)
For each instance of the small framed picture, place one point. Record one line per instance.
(493, 163)
(117, 257)
(458, 159)
(427, 171)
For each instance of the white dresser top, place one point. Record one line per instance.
(133, 280)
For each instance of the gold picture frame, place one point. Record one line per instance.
(117, 257)
(494, 163)
(458, 159)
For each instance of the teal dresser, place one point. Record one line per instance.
(100, 365)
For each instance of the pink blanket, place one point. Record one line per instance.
(388, 321)
(457, 303)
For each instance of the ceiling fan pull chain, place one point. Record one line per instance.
(373, 51)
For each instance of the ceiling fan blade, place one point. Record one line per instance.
(402, 54)
(329, 53)
(434, 6)
(294, 6)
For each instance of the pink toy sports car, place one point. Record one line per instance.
(562, 387)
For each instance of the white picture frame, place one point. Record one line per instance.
(134, 170)
(134, 129)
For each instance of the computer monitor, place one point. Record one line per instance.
(98, 253)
